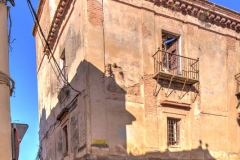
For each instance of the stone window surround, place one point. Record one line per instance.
(176, 112)
(173, 129)
(65, 123)
(65, 140)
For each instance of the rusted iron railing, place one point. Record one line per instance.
(176, 65)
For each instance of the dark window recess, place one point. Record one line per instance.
(65, 134)
(171, 64)
(170, 58)
(63, 69)
(173, 131)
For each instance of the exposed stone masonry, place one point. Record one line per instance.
(231, 44)
(149, 99)
(95, 16)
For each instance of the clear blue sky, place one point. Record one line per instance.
(24, 106)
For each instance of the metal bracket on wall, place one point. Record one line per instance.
(238, 97)
(181, 96)
(157, 89)
(238, 104)
(196, 92)
(167, 94)
(237, 78)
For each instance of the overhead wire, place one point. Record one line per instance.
(41, 42)
(50, 51)
(7, 79)
(35, 19)
(54, 72)
(9, 30)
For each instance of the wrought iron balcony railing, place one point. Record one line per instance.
(172, 66)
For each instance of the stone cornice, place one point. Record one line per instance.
(39, 13)
(58, 18)
(205, 11)
(56, 23)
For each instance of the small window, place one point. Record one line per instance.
(173, 129)
(63, 68)
(65, 140)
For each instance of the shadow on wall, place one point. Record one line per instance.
(104, 95)
(194, 154)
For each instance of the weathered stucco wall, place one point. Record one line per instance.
(108, 49)
(5, 120)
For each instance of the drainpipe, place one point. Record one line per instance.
(5, 123)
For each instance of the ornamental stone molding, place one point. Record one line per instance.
(56, 23)
(39, 13)
(201, 9)
(205, 11)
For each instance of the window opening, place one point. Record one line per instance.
(173, 128)
(170, 59)
(63, 67)
(65, 140)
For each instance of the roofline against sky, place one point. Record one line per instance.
(200, 4)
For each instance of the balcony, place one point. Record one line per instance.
(176, 68)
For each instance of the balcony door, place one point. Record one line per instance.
(171, 58)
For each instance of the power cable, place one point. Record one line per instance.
(50, 51)
(55, 63)
(10, 31)
(36, 20)
(41, 42)
(54, 71)
(35, 17)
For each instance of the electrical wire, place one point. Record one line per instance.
(9, 32)
(55, 63)
(50, 51)
(42, 44)
(54, 71)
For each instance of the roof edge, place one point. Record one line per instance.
(39, 13)
(205, 11)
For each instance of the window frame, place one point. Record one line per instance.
(171, 54)
(177, 131)
(63, 67)
(65, 124)
(65, 140)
